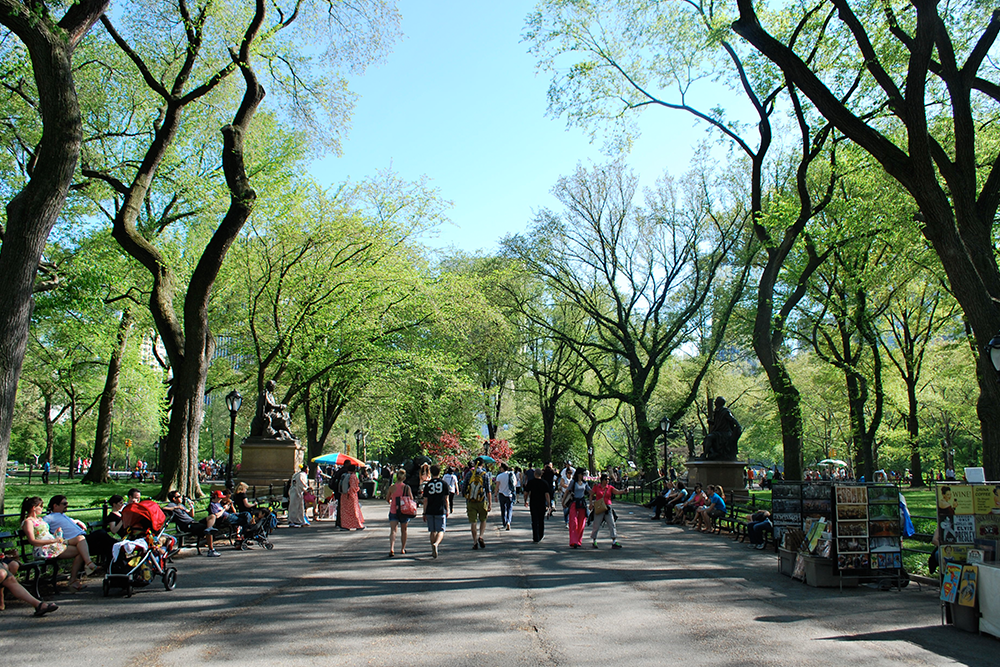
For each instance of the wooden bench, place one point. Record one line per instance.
(36, 575)
(738, 507)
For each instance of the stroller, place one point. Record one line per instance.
(144, 553)
(262, 523)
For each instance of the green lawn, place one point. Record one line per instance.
(80, 496)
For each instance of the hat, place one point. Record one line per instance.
(216, 494)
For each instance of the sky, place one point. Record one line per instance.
(460, 101)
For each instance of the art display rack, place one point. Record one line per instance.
(968, 528)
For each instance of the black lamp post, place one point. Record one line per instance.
(359, 441)
(664, 427)
(233, 401)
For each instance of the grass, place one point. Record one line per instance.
(81, 496)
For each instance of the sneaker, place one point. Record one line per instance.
(475, 546)
(482, 545)
(594, 545)
(434, 551)
(615, 545)
(759, 547)
(212, 553)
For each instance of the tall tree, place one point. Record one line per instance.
(637, 276)
(632, 56)
(921, 90)
(51, 43)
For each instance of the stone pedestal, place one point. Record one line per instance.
(269, 461)
(728, 474)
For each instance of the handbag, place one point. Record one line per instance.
(600, 506)
(407, 506)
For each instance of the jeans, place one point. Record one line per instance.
(506, 508)
(756, 531)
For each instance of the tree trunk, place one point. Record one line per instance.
(100, 465)
(34, 210)
(49, 435)
(72, 435)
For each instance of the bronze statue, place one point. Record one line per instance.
(724, 433)
(272, 419)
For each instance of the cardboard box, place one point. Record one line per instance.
(820, 574)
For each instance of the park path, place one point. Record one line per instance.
(328, 597)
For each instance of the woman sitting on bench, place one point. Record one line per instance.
(44, 544)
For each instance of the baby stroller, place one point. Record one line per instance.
(262, 523)
(145, 551)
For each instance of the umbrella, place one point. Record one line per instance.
(833, 462)
(487, 459)
(338, 459)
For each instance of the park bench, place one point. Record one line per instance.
(739, 507)
(35, 574)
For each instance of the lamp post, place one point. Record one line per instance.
(993, 349)
(359, 441)
(233, 401)
(664, 427)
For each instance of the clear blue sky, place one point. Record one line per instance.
(459, 100)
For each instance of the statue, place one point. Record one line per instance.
(272, 419)
(724, 433)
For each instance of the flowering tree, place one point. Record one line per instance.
(447, 450)
(499, 449)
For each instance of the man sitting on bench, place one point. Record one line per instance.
(182, 516)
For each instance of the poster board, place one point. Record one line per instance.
(867, 529)
(797, 505)
(968, 523)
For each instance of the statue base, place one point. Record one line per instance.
(269, 461)
(727, 474)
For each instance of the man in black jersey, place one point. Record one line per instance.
(436, 507)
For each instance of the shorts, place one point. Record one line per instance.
(476, 510)
(436, 523)
(401, 518)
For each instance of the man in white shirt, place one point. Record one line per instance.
(451, 480)
(506, 490)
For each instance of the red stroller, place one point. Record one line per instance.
(145, 551)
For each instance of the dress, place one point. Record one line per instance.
(42, 533)
(296, 502)
(350, 512)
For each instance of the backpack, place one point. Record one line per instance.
(345, 484)
(475, 490)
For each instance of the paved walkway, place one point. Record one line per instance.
(328, 597)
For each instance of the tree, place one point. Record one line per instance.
(918, 103)
(632, 56)
(33, 211)
(637, 276)
(919, 314)
(188, 339)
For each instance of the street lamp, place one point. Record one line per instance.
(359, 441)
(664, 427)
(993, 349)
(233, 401)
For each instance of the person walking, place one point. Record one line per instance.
(602, 495)
(296, 498)
(537, 495)
(506, 490)
(397, 519)
(350, 513)
(451, 480)
(478, 495)
(549, 475)
(436, 508)
(575, 498)
(563, 482)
